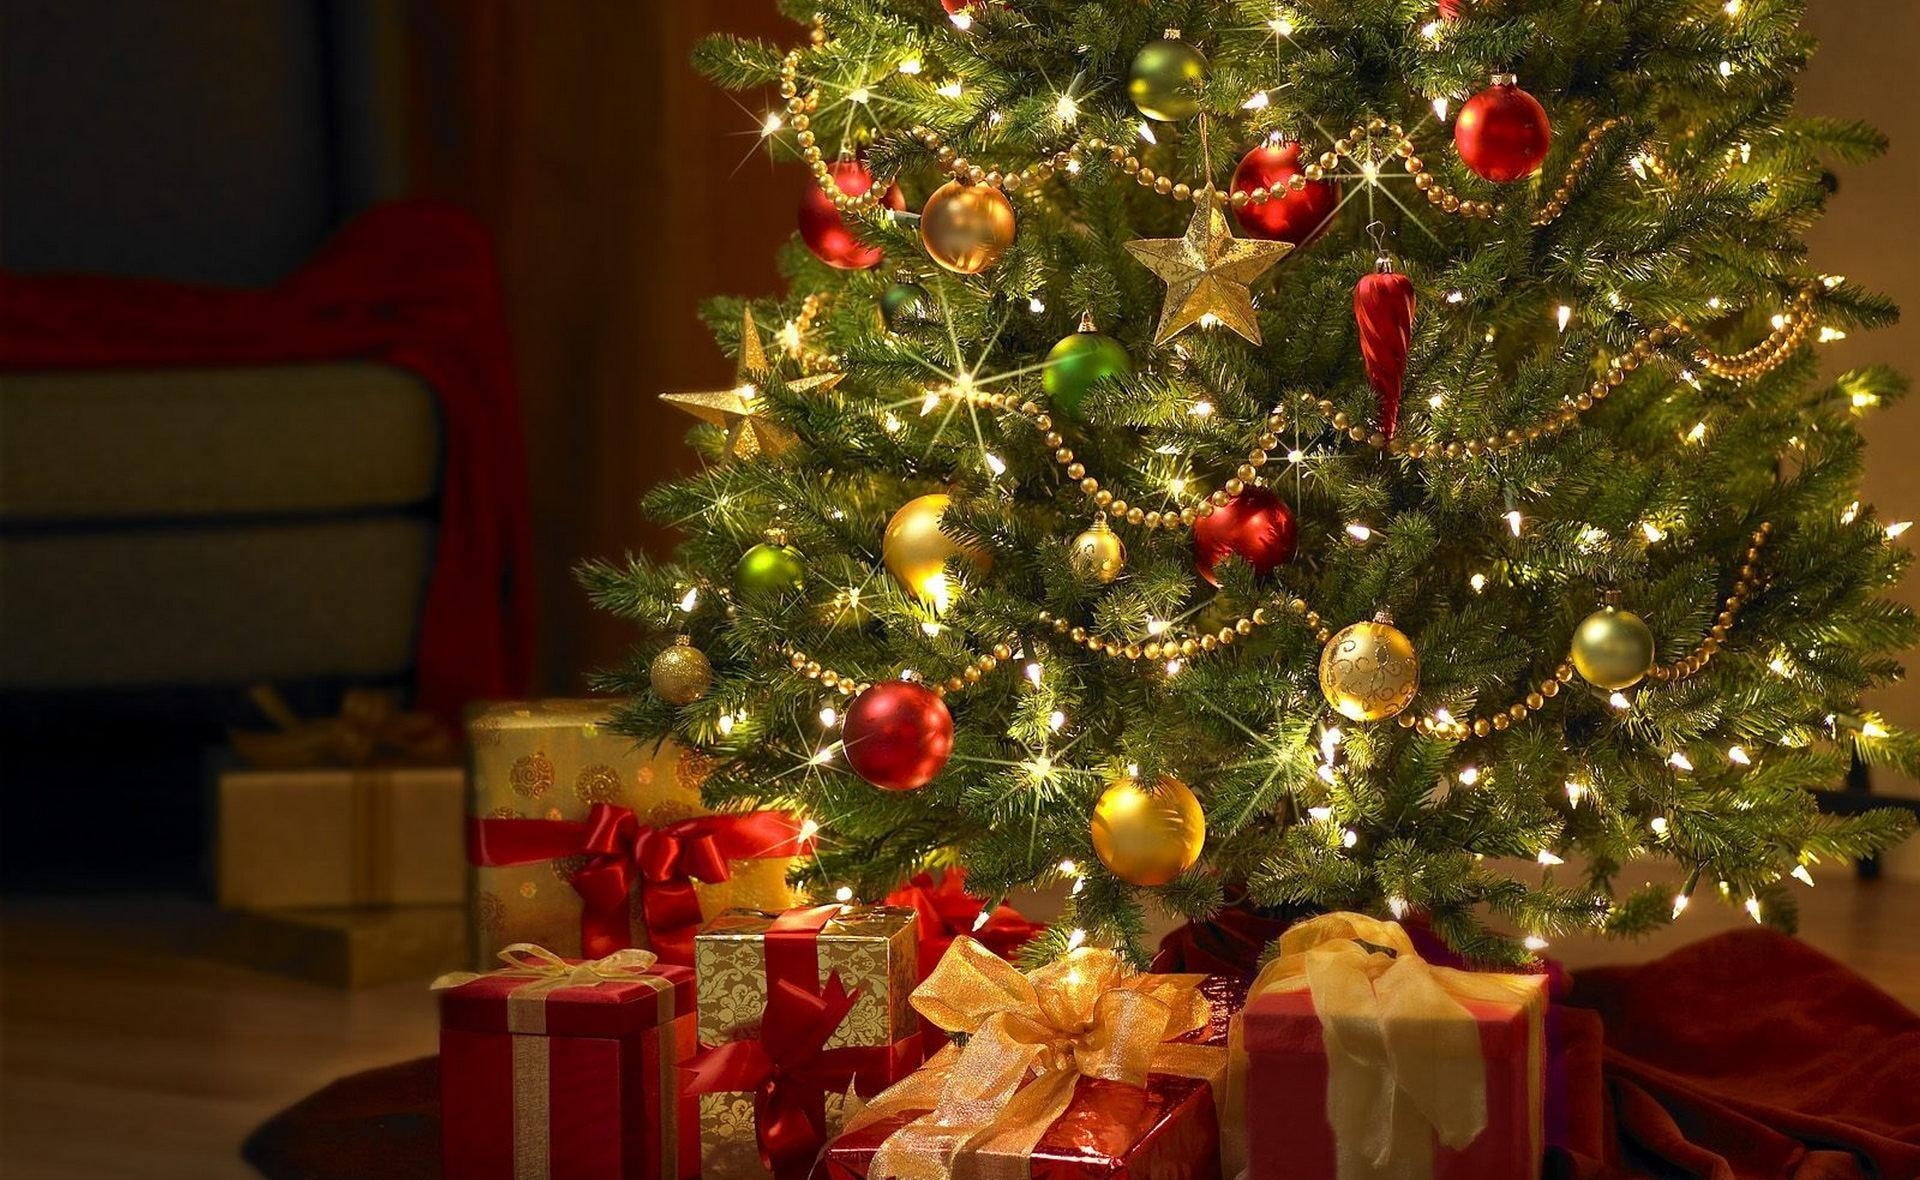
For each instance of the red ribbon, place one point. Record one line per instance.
(788, 1068)
(623, 853)
(945, 910)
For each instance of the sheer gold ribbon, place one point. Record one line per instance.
(1030, 1038)
(546, 972)
(1404, 1061)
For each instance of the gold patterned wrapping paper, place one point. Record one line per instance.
(872, 949)
(555, 759)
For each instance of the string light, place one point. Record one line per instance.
(1679, 761)
(1514, 521)
(1548, 859)
(1680, 903)
(1850, 513)
(772, 124)
(1753, 908)
(1322, 814)
(1659, 825)
(690, 599)
(1801, 875)
(809, 828)
(1258, 102)
(1281, 25)
(1056, 721)
(1563, 315)
(1576, 791)
(910, 67)
(1738, 756)
(1066, 110)
(725, 724)
(1469, 775)
(949, 89)
(843, 894)
(1620, 701)
(1349, 838)
(829, 716)
(1478, 582)
(1440, 107)
(822, 756)
(1359, 532)
(1076, 939)
(1898, 527)
(1397, 906)
(1534, 943)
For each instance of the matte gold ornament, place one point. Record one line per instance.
(1208, 272)
(1612, 648)
(681, 673)
(1369, 671)
(916, 550)
(1098, 552)
(966, 227)
(740, 410)
(1148, 837)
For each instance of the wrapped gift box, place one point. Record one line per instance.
(549, 1073)
(867, 952)
(1290, 1135)
(1168, 1129)
(329, 837)
(554, 767)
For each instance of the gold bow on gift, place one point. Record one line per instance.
(369, 728)
(1030, 1039)
(1403, 1052)
(544, 972)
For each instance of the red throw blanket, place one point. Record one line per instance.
(412, 285)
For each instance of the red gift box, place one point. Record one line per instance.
(1166, 1128)
(1400, 1059)
(556, 1069)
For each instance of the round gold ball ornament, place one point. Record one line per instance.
(1165, 79)
(1612, 648)
(1098, 553)
(1148, 837)
(966, 227)
(681, 673)
(916, 550)
(1369, 671)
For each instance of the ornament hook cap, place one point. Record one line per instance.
(1506, 78)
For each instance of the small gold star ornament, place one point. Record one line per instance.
(1207, 271)
(739, 410)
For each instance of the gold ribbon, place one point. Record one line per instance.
(1404, 1060)
(1030, 1038)
(370, 728)
(545, 973)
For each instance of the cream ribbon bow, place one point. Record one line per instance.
(545, 972)
(1030, 1038)
(1404, 1060)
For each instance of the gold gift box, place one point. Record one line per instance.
(872, 949)
(555, 759)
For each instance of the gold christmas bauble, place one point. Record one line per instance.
(966, 227)
(681, 673)
(1612, 649)
(916, 551)
(1369, 671)
(1148, 837)
(1099, 553)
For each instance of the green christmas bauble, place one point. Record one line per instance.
(1076, 363)
(1166, 78)
(1612, 649)
(903, 303)
(769, 569)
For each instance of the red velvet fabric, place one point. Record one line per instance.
(411, 284)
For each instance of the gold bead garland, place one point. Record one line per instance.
(1551, 211)
(1188, 646)
(1536, 698)
(1795, 323)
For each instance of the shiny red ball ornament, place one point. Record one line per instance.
(826, 232)
(1450, 9)
(1502, 132)
(1287, 215)
(897, 735)
(1255, 525)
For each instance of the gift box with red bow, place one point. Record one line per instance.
(797, 1011)
(585, 844)
(1363, 1061)
(1084, 1068)
(561, 1069)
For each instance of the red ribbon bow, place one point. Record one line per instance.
(623, 853)
(945, 910)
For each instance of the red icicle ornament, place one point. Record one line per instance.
(1383, 307)
(1450, 9)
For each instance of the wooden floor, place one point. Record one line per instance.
(121, 1059)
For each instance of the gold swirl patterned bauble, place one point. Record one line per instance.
(916, 550)
(1612, 649)
(681, 673)
(1369, 671)
(966, 227)
(1098, 553)
(1148, 837)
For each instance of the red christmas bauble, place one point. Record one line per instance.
(1255, 525)
(1450, 9)
(898, 735)
(827, 234)
(1502, 132)
(956, 5)
(1286, 216)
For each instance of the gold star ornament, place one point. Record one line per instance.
(1207, 271)
(740, 410)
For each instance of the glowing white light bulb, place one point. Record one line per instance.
(910, 67)
(1738, 756)
(1296, 455)
(962, 20)
(1039, 767)
(829, 716)
(891, 423)
(1201, 408)
(1659, 825)
(1258, 102)
(690, 599)
(1359, 532)
(1322, 814)
(1432, 30)
(859, 94)
(843, 894)
(1076, 939)
(1035, 306)
(1620, 700)
(1753, 908)
(1898, 527)
(809, 828)
(1281, 25)
(822, 756)
(1456, 296)
(1549, 859)
(1679, 761)
(1514, 521)
(996, 464)
(1469, 775)
(1873, 729)
(1534, 943)
(1349, 838)
(1680, 903)
(1576, 791)
(1397, 906)
(1146, 132)
(1850, 513)
(1066, 109)
(1801, 875)
(724, 724)
(1440, 107)
(1478, 582)
(772, 125)
(1056, 721)
(1653, 532)
(1563, 315)
(949, 90)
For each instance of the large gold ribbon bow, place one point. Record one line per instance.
(545, 972)
(1030, 1038)
(370, 728)
(1404, 1060)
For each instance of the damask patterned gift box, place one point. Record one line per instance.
(795, 1010)
(583, 843)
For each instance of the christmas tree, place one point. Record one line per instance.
(1352, 455)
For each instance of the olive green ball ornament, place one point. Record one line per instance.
(681, 673)
(1166, 77)
(904, 303)
(770, 569)
(1078, 361)
(1612, 649)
